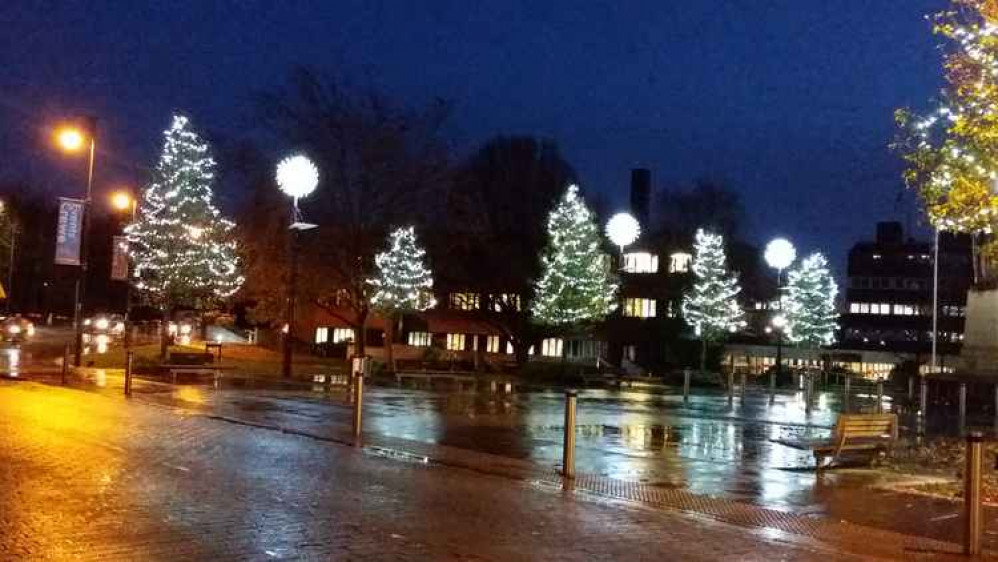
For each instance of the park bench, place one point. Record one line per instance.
(873, 433)
(182, 365)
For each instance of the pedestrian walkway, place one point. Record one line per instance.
(93, 477)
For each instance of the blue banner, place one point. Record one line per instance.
(70, 232)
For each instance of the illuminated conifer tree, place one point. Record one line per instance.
(712, 308)
(810, 303)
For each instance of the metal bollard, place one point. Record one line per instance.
(686, 384)
(772, 385)
(808, 389)
(731, 387)
(128, 374)
(880, 397)
(963, 402)
(923, 399)
(911, 388)
(358, 408)
(568, 449)
(743, 383)
(65, 364)
(972, 494)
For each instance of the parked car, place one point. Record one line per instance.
(112, 325)
(16, 329)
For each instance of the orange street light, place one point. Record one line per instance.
(122, 200)
(70, 139)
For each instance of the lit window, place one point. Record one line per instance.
(640, 262)
(342, 335)
(505, 302)
(455, 342)
(680, 262)
(874, 308)
(864, 308)
(321, 334)
(885, 308)
(639, 308)
(464, 301)
(551, 347)
(904, 309)
(876, 256)
(760, 305)
(420, 339)
(509, 348)
(492, 344)
(854, 307)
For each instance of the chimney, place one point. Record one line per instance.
(641, 195)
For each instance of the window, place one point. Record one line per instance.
(321, 334)
(505, 302)
(953, 310)
(640, 262)
(854, 307)
(551, 347)
(455, 342)
(864, 308)
(420, 339)
(874, 308)
(509, 348)
(885, 308)
(639, 308)
(680, 262)
(904, 309)
(464, 301)
(342, 335)
(492, 344)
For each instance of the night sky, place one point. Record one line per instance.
(788, 101)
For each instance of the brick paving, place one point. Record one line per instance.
(89, 477)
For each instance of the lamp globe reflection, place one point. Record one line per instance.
(297, 176)
(623, 229)
(780, 253)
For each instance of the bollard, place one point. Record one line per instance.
(923, 399)
(972, 494)
(686, 384)
(845, 394)
(963, 402)
(911, 388)
(568, 449)
(358, 408)
(880, 397)
(808, 389)
(65, 364)
(128, 374)
(731, 387)
(743, 384)
(772, 385)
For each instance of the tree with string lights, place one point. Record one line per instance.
(952, 152)
(810, 303)
(183, 249)
(711, 307)
(403, 283)
(576, 283)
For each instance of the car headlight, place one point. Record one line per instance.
(14, 329)
(185, 329)
(31, 329)
(102, 323)
(86, 322)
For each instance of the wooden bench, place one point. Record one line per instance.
(853, 432)
(195, 364)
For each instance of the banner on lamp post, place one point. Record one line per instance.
(119, 258)
(69, 233)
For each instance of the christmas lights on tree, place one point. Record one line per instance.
(576, 283)
(403, 282)
(952, 153)
(183, 249)
(810, 303)
(712, 307)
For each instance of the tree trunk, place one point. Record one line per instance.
(164, 333)
(703, 356)
(389, 339)
(521, 352)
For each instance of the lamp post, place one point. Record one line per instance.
(780, 253)
(297, 177)
(75, 139)
(123, 201)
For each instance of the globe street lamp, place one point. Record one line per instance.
(623, 229)
(297, 177)
(74, 139)
(779, 254)
(123, 201)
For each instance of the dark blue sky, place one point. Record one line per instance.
(788, 101)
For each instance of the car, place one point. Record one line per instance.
(16, 329)
(112, 325)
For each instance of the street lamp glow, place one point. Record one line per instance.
(780, 253)
(70, 139)
(623, 229)
(779, 321)
(121, 200)
(297, 176)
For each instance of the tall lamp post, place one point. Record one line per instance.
(76, 139)
(297, 177)
(780, 253)
(122, 201)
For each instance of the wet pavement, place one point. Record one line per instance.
(85, 477)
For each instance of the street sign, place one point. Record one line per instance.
(69, 233)
(119, 258)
